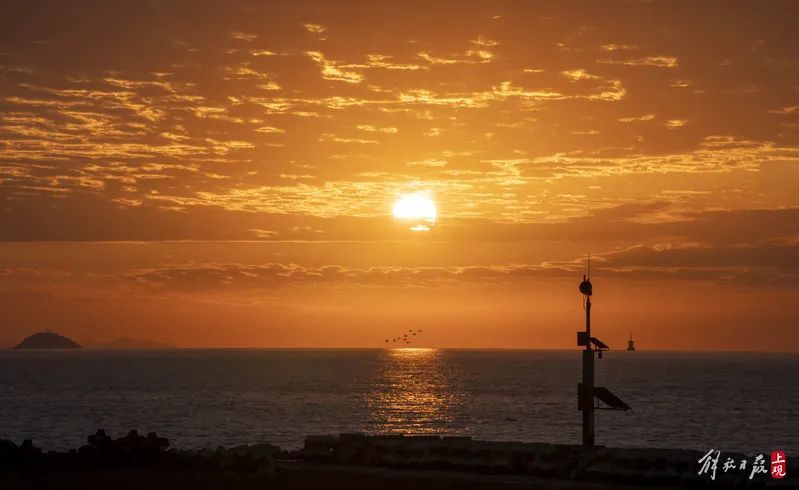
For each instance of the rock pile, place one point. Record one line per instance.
(136, 451)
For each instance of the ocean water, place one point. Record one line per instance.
(728, 401)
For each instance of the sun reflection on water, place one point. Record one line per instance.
(415, 394)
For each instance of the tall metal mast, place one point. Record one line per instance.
(586, 391)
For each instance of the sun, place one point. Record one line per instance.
(418, 210)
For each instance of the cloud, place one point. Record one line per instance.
(675, 123)
(269, 129)
(385, 61)
(430, 162)
(477, 55)
(645, 117)
(618, 47)
(373, 129)
(772, 265)
(253, 277)
(330, 71)
(510, 129)
(243, 36)
(335, 139)
(485, 42)
(578, 74)
(786, 110)
(317, 29)
(759, 264)
(656, 61)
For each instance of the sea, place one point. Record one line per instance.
(747, 402)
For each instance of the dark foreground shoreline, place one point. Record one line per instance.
(357, 461)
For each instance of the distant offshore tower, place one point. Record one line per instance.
(631, 344)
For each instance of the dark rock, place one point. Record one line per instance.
(260, 458)
(7, 448)
(99, 439)
(135, 451)
(9, 454)
(28, 450)
(318, 448)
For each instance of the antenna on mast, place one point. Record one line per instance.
(589, 266)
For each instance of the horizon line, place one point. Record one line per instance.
(519, 349)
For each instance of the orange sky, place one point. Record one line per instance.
(223, 174)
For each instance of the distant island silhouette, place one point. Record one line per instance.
(47, 340)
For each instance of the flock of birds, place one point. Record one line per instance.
(406, 338)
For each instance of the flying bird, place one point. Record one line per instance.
(405, 337)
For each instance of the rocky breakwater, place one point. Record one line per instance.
(667, 467)
(357, 461)
(138, 452)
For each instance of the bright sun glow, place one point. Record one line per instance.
(418, 209)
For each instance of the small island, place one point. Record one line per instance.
(47, 340)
